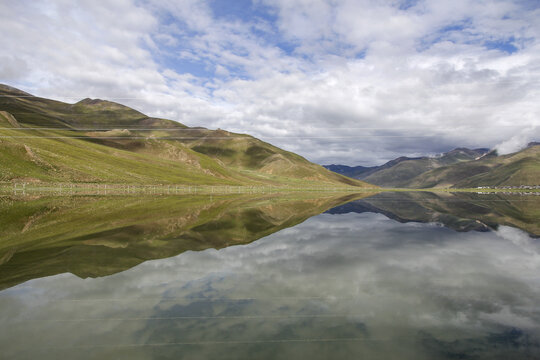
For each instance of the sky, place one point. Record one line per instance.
(347, 82)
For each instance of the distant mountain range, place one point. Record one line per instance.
(459, 168)
(43, 140)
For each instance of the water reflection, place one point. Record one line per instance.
(458, 211)
(339, 285)
(99, 236)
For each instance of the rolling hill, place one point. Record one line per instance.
(399, 172)
(43, 140)
(519, 168)
(459, 168)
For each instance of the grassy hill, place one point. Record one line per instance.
(520, 168)
(44, 140)
(399, 172)
(459, 168)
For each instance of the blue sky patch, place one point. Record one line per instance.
(506, 46)
(407, 4)
(243, 10)
(456, 32)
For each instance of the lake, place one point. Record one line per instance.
(393, 275)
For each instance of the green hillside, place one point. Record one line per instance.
(44, 140)
(399, 174)
(459, 168)
(520, 168)
(400, 171)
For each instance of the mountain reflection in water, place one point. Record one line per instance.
(349, 283)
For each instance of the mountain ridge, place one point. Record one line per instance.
(516, 169)
(458, 168)
(397, 172)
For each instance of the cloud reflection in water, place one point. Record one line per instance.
(334, 286)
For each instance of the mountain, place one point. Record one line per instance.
(351, 171)
(92, 236)
(43, 140)
(399, 172)
(459, 168)
(519, 168)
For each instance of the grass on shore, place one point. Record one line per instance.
(23, 188)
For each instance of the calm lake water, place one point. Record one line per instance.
(384, 276)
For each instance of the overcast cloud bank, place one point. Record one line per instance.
(353, 82)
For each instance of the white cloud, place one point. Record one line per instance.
(518, 142)
(12, 68)
(344, 82)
